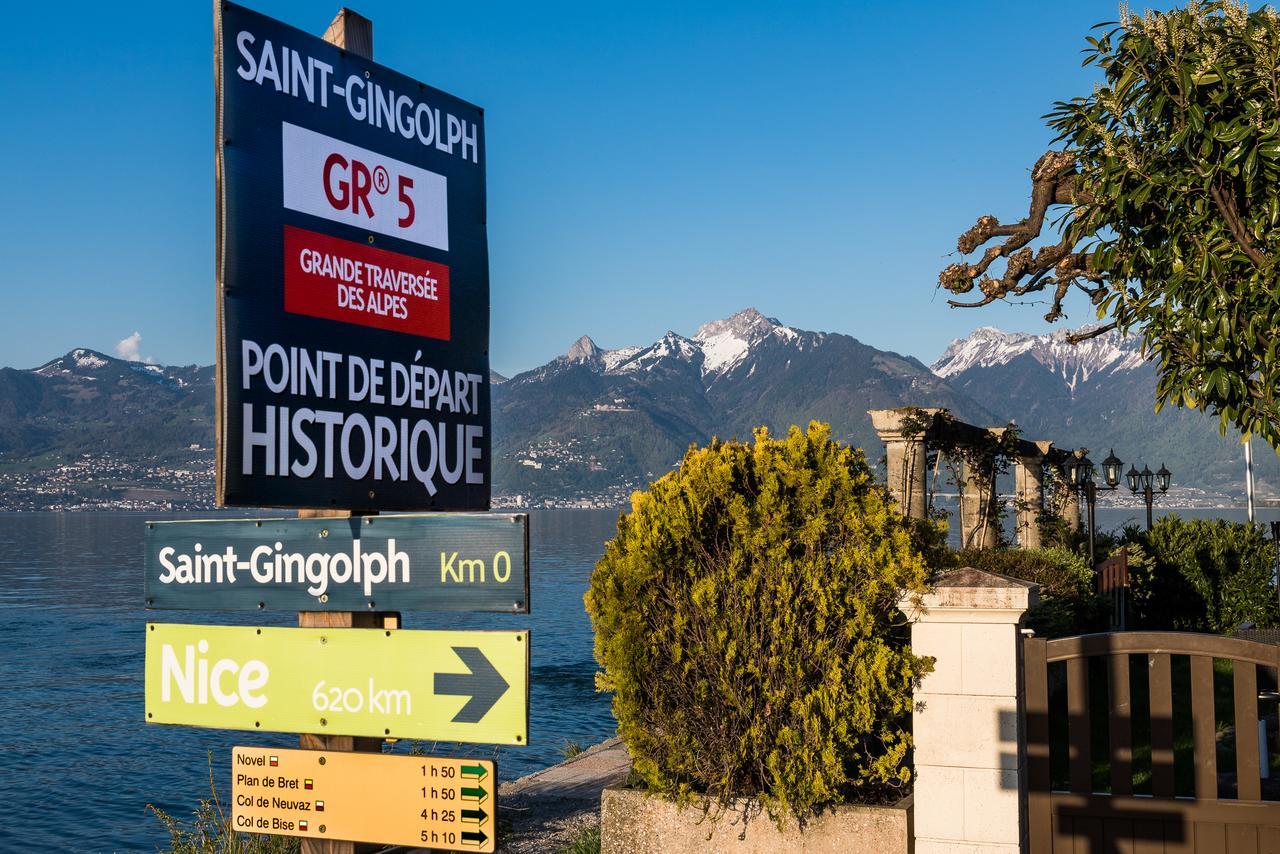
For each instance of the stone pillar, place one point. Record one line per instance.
(906, 458)
(969, 727)
(978, 509)
(1028, 478)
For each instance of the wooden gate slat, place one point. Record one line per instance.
(1035, 670)
(1148, 837)
(1269, 840)
(1179, 835)
(1117, 836)
(1248, 778)
(1204, 727)
(1161, 725)
(1078, 735)
(1210, 837)
(1088, 835)
(1121, 726)
(1242, 839)
(1063, 840)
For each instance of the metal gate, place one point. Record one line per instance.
(1150, 742)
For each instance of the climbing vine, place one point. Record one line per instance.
(975, 459)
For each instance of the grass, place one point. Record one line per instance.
(587, 842)
(571, 749)
(209, 830)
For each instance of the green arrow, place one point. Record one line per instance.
(475, 837)
(476, 815)
(477, 771)
(478, 793)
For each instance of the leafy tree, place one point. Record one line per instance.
(746, 619)
(1170, 172)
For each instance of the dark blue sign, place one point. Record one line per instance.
(427, 562)
(353, 280)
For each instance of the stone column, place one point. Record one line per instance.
(969, 728)
(906, 458)
(978, 509)
(1028, 478)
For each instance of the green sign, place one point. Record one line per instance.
(420, 562)
(387, 683)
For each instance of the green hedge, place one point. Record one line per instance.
(1205, 575)
(746, 620)
(1069, 603)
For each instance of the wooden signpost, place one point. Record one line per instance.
(324, 795)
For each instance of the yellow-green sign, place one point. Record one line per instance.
(389, 683)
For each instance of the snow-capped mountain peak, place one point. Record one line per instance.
(715, 348)
(726, 343)
(988, 347)
(671, 346)
(80, 359)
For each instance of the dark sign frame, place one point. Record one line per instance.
(430, 451)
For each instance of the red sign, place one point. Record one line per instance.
(338, 279)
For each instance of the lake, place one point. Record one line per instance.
(78, 765)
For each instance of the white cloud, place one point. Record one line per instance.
(130, 349)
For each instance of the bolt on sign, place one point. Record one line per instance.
(364, 797)
(353, 280)
(386, 683)
(426, 562)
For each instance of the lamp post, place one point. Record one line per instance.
(1147, 482)
(1079, 472)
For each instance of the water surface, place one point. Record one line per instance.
(78, 765)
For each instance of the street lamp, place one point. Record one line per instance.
(1079, 471)
(1079, 474)
(1111, 467)
(1147, 482)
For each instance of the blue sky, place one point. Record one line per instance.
(651, 166)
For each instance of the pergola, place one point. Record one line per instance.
(908, 432)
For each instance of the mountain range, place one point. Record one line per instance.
(593, 424)
(89, 403)
(596, 419)
(1098, 394)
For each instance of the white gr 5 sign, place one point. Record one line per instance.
(345, 183)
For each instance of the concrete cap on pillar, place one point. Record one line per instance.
(1042, 449)
(971, 590)
(888, 422)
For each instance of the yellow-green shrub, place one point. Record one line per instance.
(746, 621)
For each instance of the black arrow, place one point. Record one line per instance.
(484, 685)
(477, 815)
(478, 837)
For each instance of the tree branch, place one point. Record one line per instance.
(1085, 335)
(1053, 181)
(1225, 201)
